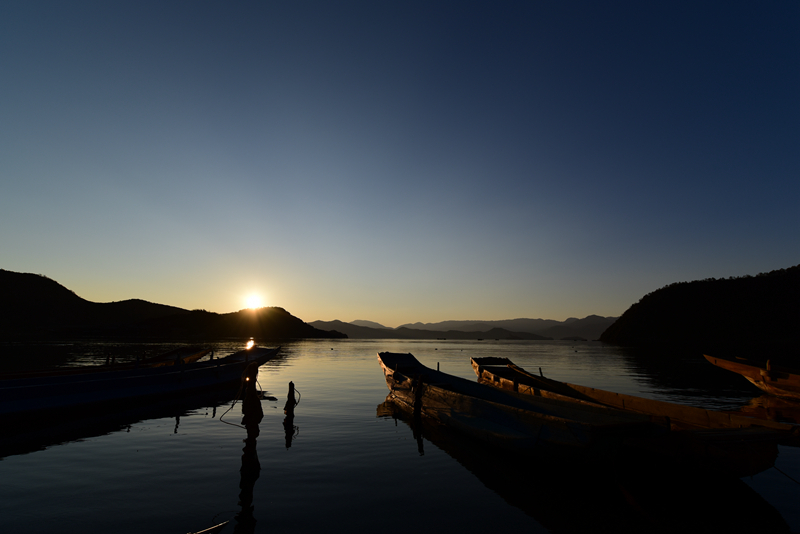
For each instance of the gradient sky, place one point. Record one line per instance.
(398, 161)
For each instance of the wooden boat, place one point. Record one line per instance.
(177, 356)
(772, 408)
(773, 379)
(505, 419)
(212, 530)
(517, 421)
(503, 374)
(109, 387)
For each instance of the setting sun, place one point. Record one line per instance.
(254, 301)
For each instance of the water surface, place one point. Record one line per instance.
(177, 468)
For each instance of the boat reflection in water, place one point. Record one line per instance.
(289, 428)
(35, 434)
(773, 409)
(578, 496)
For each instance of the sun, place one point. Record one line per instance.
(254, 301)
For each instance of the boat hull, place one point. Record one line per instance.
(35, 396)
(504, 374)
(726, 443)
(504, 419)
(777, 381)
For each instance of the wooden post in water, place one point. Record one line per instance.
(251, 406)
(288, 409)
(288, 421)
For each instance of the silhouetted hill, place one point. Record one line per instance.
(354, 331)
(745, 316)
(363, 332)
(519, 325)
(369, 324)
(262, 323)
(587, 328)
(34, 306)
(590, 327)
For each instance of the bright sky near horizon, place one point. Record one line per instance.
(398, 161)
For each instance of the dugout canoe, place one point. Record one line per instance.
(578, 429)
(177, 356)
(505, 419)
(773, 379)
(502, 373)
(48, 395)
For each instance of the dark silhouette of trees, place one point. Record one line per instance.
(745, 315)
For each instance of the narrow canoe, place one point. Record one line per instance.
(212, 530)
(506, 419)
(503, 374)
(773, 379)
(92, 390)
(180, 356)
(516, 420)
(177, 356)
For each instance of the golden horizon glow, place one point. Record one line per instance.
(254, 301)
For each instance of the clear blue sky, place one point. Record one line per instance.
(398, 161)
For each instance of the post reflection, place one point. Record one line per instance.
(289, 429)
(252, 414)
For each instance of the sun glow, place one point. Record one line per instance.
(254, 301)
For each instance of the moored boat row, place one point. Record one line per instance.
(504, 374)
(521, 413)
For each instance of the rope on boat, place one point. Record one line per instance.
(238, 394)
(241, 386)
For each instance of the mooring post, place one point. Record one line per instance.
(288, 409)
(251, 406)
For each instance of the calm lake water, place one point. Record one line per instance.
(346, 465)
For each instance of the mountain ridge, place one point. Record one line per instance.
(35, 306)
(743, 316)
(362, 332)
(588, 328)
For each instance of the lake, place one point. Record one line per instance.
(345, 464)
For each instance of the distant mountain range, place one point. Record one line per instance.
(35, 307)
(587, 328)
(369, 324)
(749, 315)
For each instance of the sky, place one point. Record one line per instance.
(398, 161)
